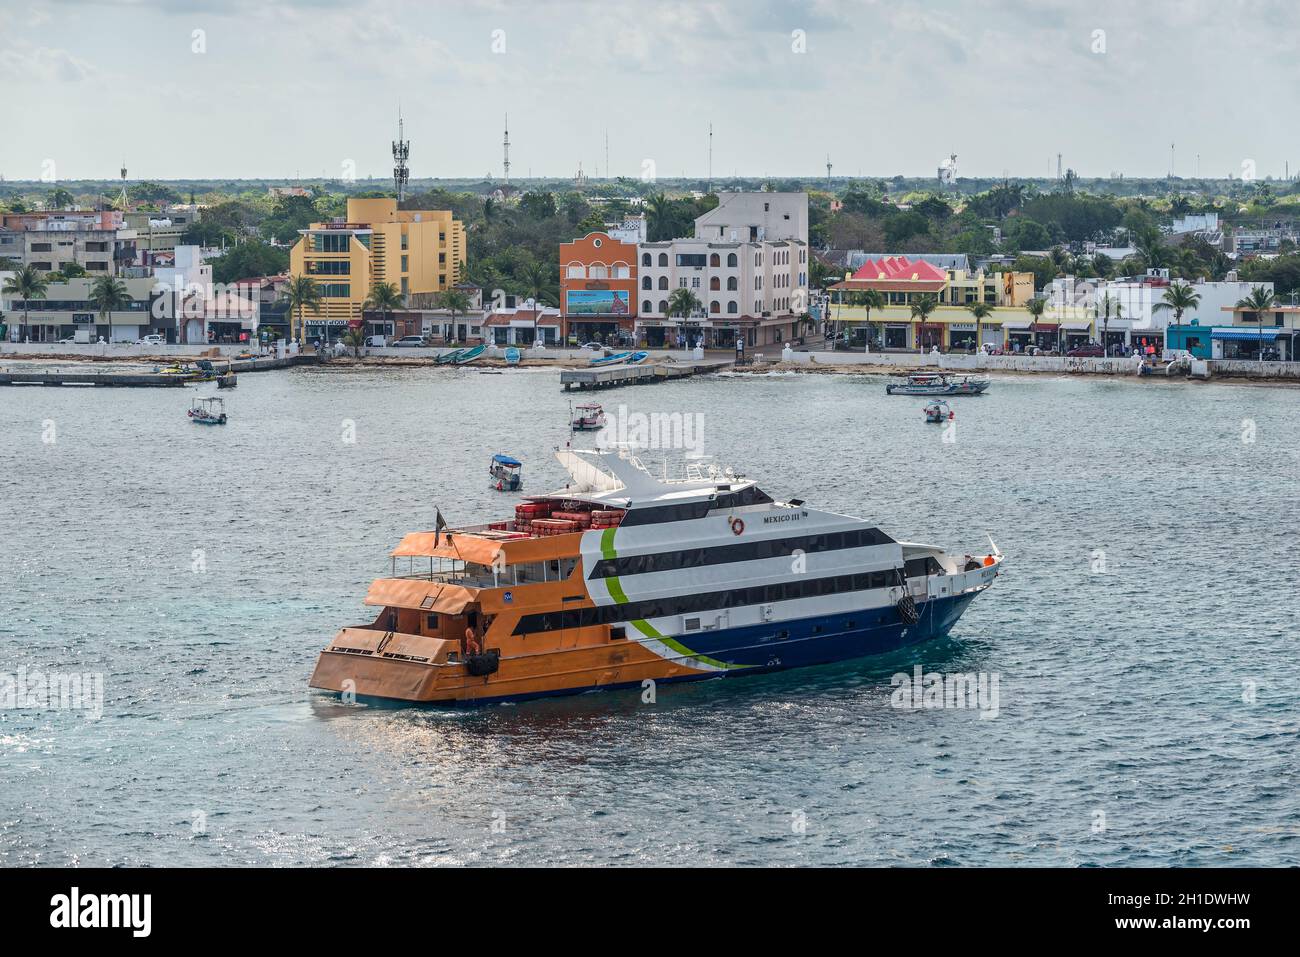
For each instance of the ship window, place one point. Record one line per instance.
(617, 632)
(782, 635)
(690, 624)
(431, 624)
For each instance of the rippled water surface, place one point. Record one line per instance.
(1148, 711)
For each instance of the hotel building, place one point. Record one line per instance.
(418, 251)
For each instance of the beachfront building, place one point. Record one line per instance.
(523, 325)
(67, 309)
(101, 243)
(755, 291)
(1078, 308)
(598, 288)
(160, 231)
(1241, 333)
(902, 282)
(417, 251)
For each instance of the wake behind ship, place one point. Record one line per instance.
(622, 577)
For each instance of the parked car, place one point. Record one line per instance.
(1091, 349)
(593, 346)
(375, 342)
(409, 341)
(152, 340)
(68, 341)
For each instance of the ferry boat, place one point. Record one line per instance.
(937, 383)
(622, 577)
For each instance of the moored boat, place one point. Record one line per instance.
(937, 383)
(612, 359)
(505, 473)
(622, 577)
(210, 410)
(469, 355)
(939, 411)
(590, 418)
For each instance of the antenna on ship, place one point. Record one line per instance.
(401, 150)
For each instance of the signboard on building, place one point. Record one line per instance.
(596, 302)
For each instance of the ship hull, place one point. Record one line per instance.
(732, 652)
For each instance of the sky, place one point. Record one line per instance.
(312, 88)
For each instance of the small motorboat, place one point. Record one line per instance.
(450, 357)
(468, 355)
(505, 473)
(937, 383)
(938, 411)
(590, 418)
(227, 380)
(210, 410)
(612, 358)
(636, 358)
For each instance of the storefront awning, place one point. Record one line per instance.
(1016, 324)
(1244, 335)
(1079, 326)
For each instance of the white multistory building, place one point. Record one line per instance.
(747, 266)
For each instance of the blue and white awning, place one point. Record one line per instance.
(1245, 335)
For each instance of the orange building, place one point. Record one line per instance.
(597, 288)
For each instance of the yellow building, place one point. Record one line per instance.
(901, 282)
(417, 250)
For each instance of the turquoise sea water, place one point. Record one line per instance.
(1149, 696)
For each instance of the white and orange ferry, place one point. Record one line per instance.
(622, 577)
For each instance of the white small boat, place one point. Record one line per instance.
(208, 411)
(937, 383)
(590, 418)
(939, 411)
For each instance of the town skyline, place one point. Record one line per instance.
(312, 90)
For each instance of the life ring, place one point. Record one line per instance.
(737, 526)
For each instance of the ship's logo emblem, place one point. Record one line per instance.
(507, 598)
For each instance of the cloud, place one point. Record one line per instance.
(23, 63)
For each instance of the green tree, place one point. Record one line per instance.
(108, 294)
(921, 310)
(301, 295)
(1105, 307)
(1179, 297)
(538, 204)
(1035, 307)
(26, 284)
(981, 311)
(539, 286)
(384, 298)
(1258, 302)
(872, 300)
(248, 260)
(355, 336)
(683, 302)
(455, 302)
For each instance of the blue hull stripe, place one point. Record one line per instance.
(808, 641)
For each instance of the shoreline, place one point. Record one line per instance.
(809, 366)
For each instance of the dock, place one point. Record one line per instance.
(610, 377)
(140, 380)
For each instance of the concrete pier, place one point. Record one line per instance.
(608, 377)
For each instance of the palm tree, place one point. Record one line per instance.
(682, 303)
(1259, 302)
(872, 299)
(1179, 297)
(456, 303)
(356, 338)
(539, 283)
(1035, 307)
(981, 311)
(1104, 307)
(107, 294)
(659, 217)
(26, 284)
(921, 310)
(301, 295)
(383, 298)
